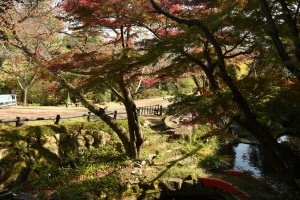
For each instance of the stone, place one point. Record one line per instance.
(146, 123)
(136, 164)
(81, 141)
(171, 121)
(151, 158)
(90, 196)
(4, 144)
(85, 132)
(245, 141)
(4, 153)
(32, 140)
(152, 194)
(97, 138)
(60, 137)
(171, 184)
(21, 144)
(168, 132)
(134, 181)
(144, 162)
(193, 177)
(13, 172)
(187, 183)
(185, 161)
(135, 188)
(51, 144)
(185, 132)
(100, 138)
(103, 195)
(24, 196)
(89, 140)
(137, 171)
(33, 175)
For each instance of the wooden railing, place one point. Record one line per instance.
(145, 110)
(150, 110)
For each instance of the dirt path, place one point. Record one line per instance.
(49, 111)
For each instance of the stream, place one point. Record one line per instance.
(249, 158)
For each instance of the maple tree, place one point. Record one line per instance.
(211, 39)
(19, 68)
(219, 54)
(27, 34)
(114, 62)
(282, 21)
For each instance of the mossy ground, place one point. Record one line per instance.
(104, 172)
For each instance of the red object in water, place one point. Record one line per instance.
(228, 187)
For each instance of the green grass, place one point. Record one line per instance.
(105, 173)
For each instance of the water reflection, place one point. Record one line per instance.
(284, 138)
(248, 158)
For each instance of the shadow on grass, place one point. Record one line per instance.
(74, 189)
(168, 167)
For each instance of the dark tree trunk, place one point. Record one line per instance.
(120, 131)
(274, 33)
(199, 89)
(136, 137)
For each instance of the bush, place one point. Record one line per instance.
(182, 86)
(150, 93)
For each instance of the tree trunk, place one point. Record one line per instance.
(199, 89)
(24, 95)
(100, 112)
(135, 132)
(281, 51)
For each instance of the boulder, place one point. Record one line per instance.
(51, 144)
(4, 153)
(101, 138)
(146, 123)
(192, 178)
(89, 140)
(24, 196)
(85, 132)
(185, 132)
(60, 137)
(152, 194)
(188, 183)
(12, 172)
(171, 122)
(168, 132)
(4, 144)
(90, 196)
(181, 132)
(21, 144)
(80, 140)
(137, 171)
(32, 140)
(171, 184)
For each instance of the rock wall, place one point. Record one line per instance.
(18, 152)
